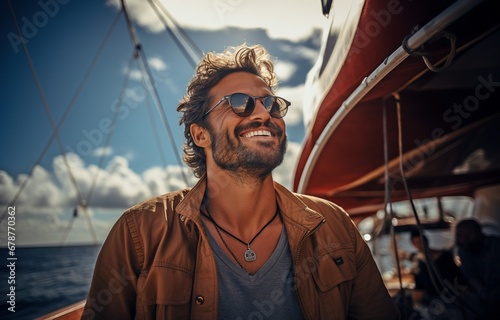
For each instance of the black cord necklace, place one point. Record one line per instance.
(250, 255)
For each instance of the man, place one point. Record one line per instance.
(237, 245)
(435, 282)
(480, 258)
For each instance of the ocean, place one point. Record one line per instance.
(46, 279)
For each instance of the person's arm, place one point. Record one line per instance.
(112, 292)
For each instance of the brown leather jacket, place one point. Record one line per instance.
(157, 263)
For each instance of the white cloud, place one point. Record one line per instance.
(157, 64)
(102, 151)
(40, 192)
(129, 155)
(45, 207)
(135, 74)
(284, 70)
(118, 186)
(162, 180)
(292, 20)
(295, 96)
(301, 52)
(284, 173)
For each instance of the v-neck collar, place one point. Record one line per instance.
(234, 267)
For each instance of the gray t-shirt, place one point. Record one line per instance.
(268, 294)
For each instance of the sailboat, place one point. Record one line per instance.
(413, 84)
(403, 113)
(402, 104)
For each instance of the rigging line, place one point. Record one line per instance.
(408, 193)
(63, 117)
(431, 268)
(192, 45)
(155, 133)
(156, 99)
(388, 202)
(147, 77)
(190, 50)
(387, 199)
(110, 133)
(45, 104)
(89, 223)
(67, 230)
(434, 274)
(71, 222)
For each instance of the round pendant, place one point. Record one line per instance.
(250, 255)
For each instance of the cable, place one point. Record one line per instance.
(110, 134)
(65, 114)
(45, 104)
(449, 59)
(422, 53)
(388, 203)
(190, 50)
(147, 76)
(435, 276)
(429, 264)
(156, 135)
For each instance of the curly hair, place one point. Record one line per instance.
(212, 68)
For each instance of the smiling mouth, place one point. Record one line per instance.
(258, 133)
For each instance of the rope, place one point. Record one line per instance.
(45, 104)
(147, 76)
(195, 54)
(68, 228)
(110, 134)
(156, 135)
(435, 276)
(453, 41)
(85, 203)
(422, 53)
(409, 195)
(65, 114)
(388, 203)
(414, 52)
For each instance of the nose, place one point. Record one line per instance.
(260, 112)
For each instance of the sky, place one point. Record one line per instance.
(118, 142)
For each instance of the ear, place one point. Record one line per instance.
(200, 135)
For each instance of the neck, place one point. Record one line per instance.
(240, 205)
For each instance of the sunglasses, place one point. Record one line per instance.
(243, 104)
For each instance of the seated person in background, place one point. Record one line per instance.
(480, 258)
(425, 291)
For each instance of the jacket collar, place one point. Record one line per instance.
(190, 205)
(291, 207)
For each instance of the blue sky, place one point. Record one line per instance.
(62, 39)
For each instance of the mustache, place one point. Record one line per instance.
(256, 124)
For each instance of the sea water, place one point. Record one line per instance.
(46, 279)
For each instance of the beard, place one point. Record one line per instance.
(243, 161)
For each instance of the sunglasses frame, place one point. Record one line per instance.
(254, 98)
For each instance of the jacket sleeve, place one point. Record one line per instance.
(369, 297)
(112, 293)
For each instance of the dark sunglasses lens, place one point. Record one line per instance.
(242, 104)
(277, 106)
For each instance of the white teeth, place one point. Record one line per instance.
(257, 133)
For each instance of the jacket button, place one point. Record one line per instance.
(199, 299)
(183, 217)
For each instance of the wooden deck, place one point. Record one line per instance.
(71, 312)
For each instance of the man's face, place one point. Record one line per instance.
(417, 243)
(252, 145)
